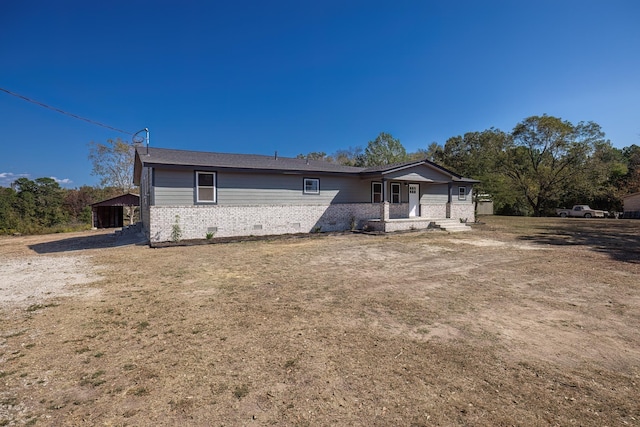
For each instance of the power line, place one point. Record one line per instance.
(93, 122)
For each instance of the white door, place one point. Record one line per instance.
(414, 199)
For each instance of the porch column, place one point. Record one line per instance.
(449, 187)
(384, 206)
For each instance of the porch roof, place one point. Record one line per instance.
(387, 170)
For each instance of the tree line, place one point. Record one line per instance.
(543, 163)
(42, 205)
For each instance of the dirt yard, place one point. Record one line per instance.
(521, 322)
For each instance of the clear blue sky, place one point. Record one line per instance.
(299, 76)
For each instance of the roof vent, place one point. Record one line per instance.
(276, 155)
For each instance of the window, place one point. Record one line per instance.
(462, 193)
(311, 186)
(376, 192)
(395, 192)
(206, 187)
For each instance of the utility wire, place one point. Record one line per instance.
(93, 122)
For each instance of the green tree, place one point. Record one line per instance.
(545, 156)
(39, 202)
(384, 150)
(113, 163)
(631, 180)
(432, 153)
(476, 155)
(9, 219)
(598, 183)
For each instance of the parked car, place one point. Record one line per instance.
(582, 211)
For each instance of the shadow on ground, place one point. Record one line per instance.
(101, 241)
(617, 238)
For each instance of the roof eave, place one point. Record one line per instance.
(247, 169)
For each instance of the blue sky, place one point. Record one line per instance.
(300, 76)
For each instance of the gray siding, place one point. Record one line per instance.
(239, 189)
(176, 188)
(454, 195)
(418, 173)
(173, 187)
(434, 194)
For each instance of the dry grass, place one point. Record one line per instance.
(522, 322)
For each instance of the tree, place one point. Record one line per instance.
(599, 182)
(546, 155)
(432, 153)
(9, 218)
(384, 150)
(352, 156)
(113, 163)
(631, 181)
(39, 202)
(77, 201)
(314, 155)
(476, 155)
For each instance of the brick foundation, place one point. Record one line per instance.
(226, 221)
(463, 211)
(433, 211)
(260, 220)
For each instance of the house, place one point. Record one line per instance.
(631, 205)
(110, 213)
(225, 195)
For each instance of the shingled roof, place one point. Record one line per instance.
(154, 157)
(165, 156)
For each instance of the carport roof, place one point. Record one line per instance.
(128, 199)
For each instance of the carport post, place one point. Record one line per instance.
(93, 217)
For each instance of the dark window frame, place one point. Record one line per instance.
(399, 193)
(374, 192)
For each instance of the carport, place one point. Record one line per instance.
(110, 213)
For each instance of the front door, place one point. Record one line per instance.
(414, 199)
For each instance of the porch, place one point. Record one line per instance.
(403, 217)
(416, 223)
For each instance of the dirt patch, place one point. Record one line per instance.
(31, 280)
(410, 329)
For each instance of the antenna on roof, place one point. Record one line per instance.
(139, 139)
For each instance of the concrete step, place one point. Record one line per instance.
(451, 225)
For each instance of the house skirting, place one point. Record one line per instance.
(195, 222)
